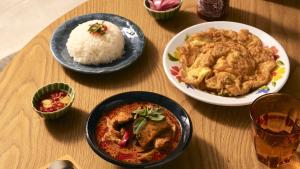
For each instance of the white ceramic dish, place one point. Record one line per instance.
(280, 75)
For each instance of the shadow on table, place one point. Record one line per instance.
(294, 64)
(135, 73)
(261, 22)
(292, 85)
(199, 154)
(232, 116)
(181, 21)
(290, 3)
(70, 127)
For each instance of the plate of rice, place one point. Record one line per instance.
(97, 43)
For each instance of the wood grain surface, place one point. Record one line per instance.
(222, 135)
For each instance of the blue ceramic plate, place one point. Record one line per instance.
(125, 98)
(134, 44)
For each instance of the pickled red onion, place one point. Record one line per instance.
(163, 5)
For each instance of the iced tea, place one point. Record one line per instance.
(276, 128)
(277, 139)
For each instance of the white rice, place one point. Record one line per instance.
(87, 48)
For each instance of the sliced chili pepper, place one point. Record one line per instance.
(176, 68)
(125, 139)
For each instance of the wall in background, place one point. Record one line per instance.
(21, 20)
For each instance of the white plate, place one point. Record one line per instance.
(280, 74)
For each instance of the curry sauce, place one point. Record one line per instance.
(117, 133)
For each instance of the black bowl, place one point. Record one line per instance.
(128, 97)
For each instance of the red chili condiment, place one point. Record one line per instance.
(53, 101)
(212, 9)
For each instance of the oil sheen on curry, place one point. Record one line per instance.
(138, 132)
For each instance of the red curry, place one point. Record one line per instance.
(138, 132)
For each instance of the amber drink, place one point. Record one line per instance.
(276, 128)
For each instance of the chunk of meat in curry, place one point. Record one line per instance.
(114, 134)
(156, 134)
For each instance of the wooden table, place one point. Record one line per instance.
(222, 136)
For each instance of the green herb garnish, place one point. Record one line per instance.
(279, 62)
(173, 57)
(98, 28)
(138, 124)
(187, 36)
(142, 115)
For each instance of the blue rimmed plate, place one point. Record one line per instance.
(134, 44)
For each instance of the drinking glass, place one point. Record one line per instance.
(276, 128)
